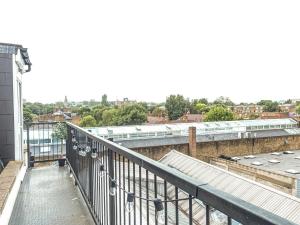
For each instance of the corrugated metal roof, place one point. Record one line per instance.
(276, 202)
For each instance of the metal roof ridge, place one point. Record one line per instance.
(236, 175)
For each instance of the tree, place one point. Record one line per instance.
(60, 133)
(109, 117)
(88, 121)
(159, 111)
(132, 114)
(202, 108)
(176, 106)
(269, 106)
(27, 116)
(193, 105)
(298, 109)
(289, 101)
(223, 101)
(84, 111)
(219, 113)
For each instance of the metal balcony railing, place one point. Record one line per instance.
(121, 186)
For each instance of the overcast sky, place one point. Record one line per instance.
(146, 50)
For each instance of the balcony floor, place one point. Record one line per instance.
(48, 196)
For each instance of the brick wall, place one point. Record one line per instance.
(229, 148)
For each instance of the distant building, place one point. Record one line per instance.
(156, 120)
(274, 115)
(290, 108)
(191, 118)
(125, 101)
(244, 111)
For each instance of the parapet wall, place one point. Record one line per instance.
(237, 147)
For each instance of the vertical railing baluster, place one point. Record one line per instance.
(190, 210)
(229, 220)
(207, 214)
(176, 206)
(140, 194)
(111, 197)
(116, 195)
(166, 203)
(124, 188)
(128, 184)
(147, 195)
(155, 193)
(134, 203)
(120, 196)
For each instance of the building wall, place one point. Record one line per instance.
(229, 147)
(6, 108)
(280, 182)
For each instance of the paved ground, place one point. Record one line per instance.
(47, 197)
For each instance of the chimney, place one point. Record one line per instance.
(192, 142)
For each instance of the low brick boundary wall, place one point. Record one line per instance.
(7, 180)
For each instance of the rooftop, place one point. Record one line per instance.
(276, 162)
(265, 197)
(181, 129)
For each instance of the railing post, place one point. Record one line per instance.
(111, 197)
(28, 147)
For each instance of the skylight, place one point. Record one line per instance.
(235, 158)
(276, 153)
(249, 157)
(288, 152)
(292, 171)
(273, 161)
(256, 163)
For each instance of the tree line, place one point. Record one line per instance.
(104, 113)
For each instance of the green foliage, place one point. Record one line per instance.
(193, 105)
(176, 106)
(253, 116)
(109, 117)
(39, 108)
(289, 101)
(159, 111)
(84, 111)
(201, 108)
(132, 114)
(298, 109)
(60, 131)
(88, 121)
(223, 101)
(269, 106)
(219, 113)
(27, 116)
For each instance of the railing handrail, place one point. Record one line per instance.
(238, 209)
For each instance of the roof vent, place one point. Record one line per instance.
(235, 158)
(276, 153)
(249, 156)
(274, 161)
(288, 152)
(292, 171)
(297, 157)
(256, 163)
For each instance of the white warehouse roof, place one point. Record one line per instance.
(181, 129)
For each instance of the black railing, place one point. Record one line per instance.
(121, 186)
(43, 143)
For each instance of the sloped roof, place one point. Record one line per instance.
(267, 198)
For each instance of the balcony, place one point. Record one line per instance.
(108, 184)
